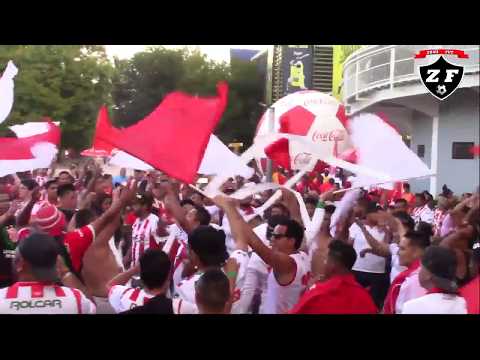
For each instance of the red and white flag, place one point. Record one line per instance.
(6, 90)
(173, 138)
(35, 147)
(99, 147)
(379, 146)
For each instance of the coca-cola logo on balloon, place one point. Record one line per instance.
(335, 135)
(302, 159)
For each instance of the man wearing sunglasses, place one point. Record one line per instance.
(289, 272)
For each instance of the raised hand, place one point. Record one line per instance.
(224, 201)
(129, 193)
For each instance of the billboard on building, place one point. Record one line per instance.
(297, 66)
(340, 54)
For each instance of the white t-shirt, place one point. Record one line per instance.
(255, 280)
(436, 304)
(424, 214)
(186, 288)
(282, 298)
(123, 298)
(410, 289)
(214, 211)
(396, 267)
(144, 236)
(35, 297)
(369, 263)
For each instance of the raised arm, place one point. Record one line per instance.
(122, 278)
(117, 205)
(172, 204)
(292, 205)
(458, 214)
(230, 205)
(282, 264)
(378, 248)
(24, 217)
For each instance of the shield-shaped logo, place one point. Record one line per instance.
(441, 78)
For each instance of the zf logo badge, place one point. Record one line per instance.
(441, 78)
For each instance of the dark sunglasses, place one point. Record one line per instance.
(278, 236)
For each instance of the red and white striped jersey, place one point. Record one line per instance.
(163, 212)
(123, 298)
(35, 297)
(422, 213)
(176, 249)
(281, 298)
(144, 236)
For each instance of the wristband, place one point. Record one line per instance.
(68, 273)
(321, 204)
(231, 274)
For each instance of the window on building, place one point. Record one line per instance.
(421, 151)
(461, 150)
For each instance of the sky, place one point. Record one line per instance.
(214, 52)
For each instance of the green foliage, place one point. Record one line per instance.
(70, 83)
(66, 83)
(141, 83)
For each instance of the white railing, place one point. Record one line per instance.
(387, 66)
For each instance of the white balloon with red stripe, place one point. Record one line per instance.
(318, 117)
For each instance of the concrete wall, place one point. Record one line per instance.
(458, 121)
(421, 135)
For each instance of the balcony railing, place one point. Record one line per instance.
(388, 66)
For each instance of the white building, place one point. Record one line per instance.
(385, 78)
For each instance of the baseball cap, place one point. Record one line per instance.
(209, 245)
(50, 220)
(40, 251)
(442, 264)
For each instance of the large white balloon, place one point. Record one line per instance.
(317, 116)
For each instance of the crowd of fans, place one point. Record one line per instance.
(84, 242)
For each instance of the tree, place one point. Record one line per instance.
(244, 111)
(65, 83)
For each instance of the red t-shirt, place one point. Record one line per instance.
(338, 295)
(77, 243)
(326, 187)
(471, 294)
